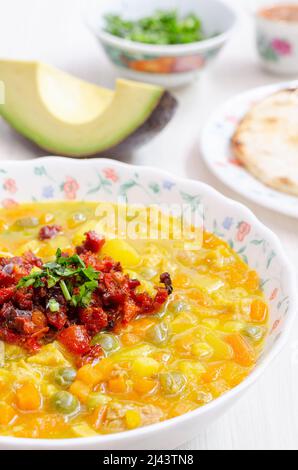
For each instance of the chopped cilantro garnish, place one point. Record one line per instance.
(53, 305)
(71, 274)
(65, 290)
(163, 27)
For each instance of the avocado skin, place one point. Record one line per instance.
(135, 112)
(155, 123)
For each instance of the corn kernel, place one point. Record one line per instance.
(122, 252)
(145, 366)
(83, 430)
(133, 419)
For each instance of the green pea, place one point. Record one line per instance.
(108, 342)
(254, 332)
(79, 217)
(65, 376)
(26, 222)
(64, 402)
(172, 383)
(97, 399)
(158, 334)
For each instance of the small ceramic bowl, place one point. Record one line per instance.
(67, 179)
(170, 65)
(277, 44)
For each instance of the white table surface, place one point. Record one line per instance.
(52, 31)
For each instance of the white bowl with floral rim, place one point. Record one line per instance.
(166, 65)
(57, 178)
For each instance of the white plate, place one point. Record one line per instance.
(218, 155)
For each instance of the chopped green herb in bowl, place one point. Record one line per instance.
(168, 46)
(162, 28)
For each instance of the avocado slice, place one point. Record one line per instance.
(68, 116)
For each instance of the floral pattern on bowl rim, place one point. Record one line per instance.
(150, 63)
(273, 50)
(217, 152)
(107, 180)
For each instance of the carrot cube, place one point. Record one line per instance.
(28, 397)
(258, 311)
(89, 375)
(81, 390)
(244, 354)
(117, 385)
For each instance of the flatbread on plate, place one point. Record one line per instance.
(266, 141)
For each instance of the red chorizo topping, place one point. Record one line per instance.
(76, 339)
(165, 278)
(49, 231)
(93, 243)
(94, 353)
(71, 298)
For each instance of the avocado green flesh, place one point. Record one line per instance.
(65, 115)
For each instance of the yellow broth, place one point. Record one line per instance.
(204, 342)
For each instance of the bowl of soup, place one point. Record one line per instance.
(135, 307)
